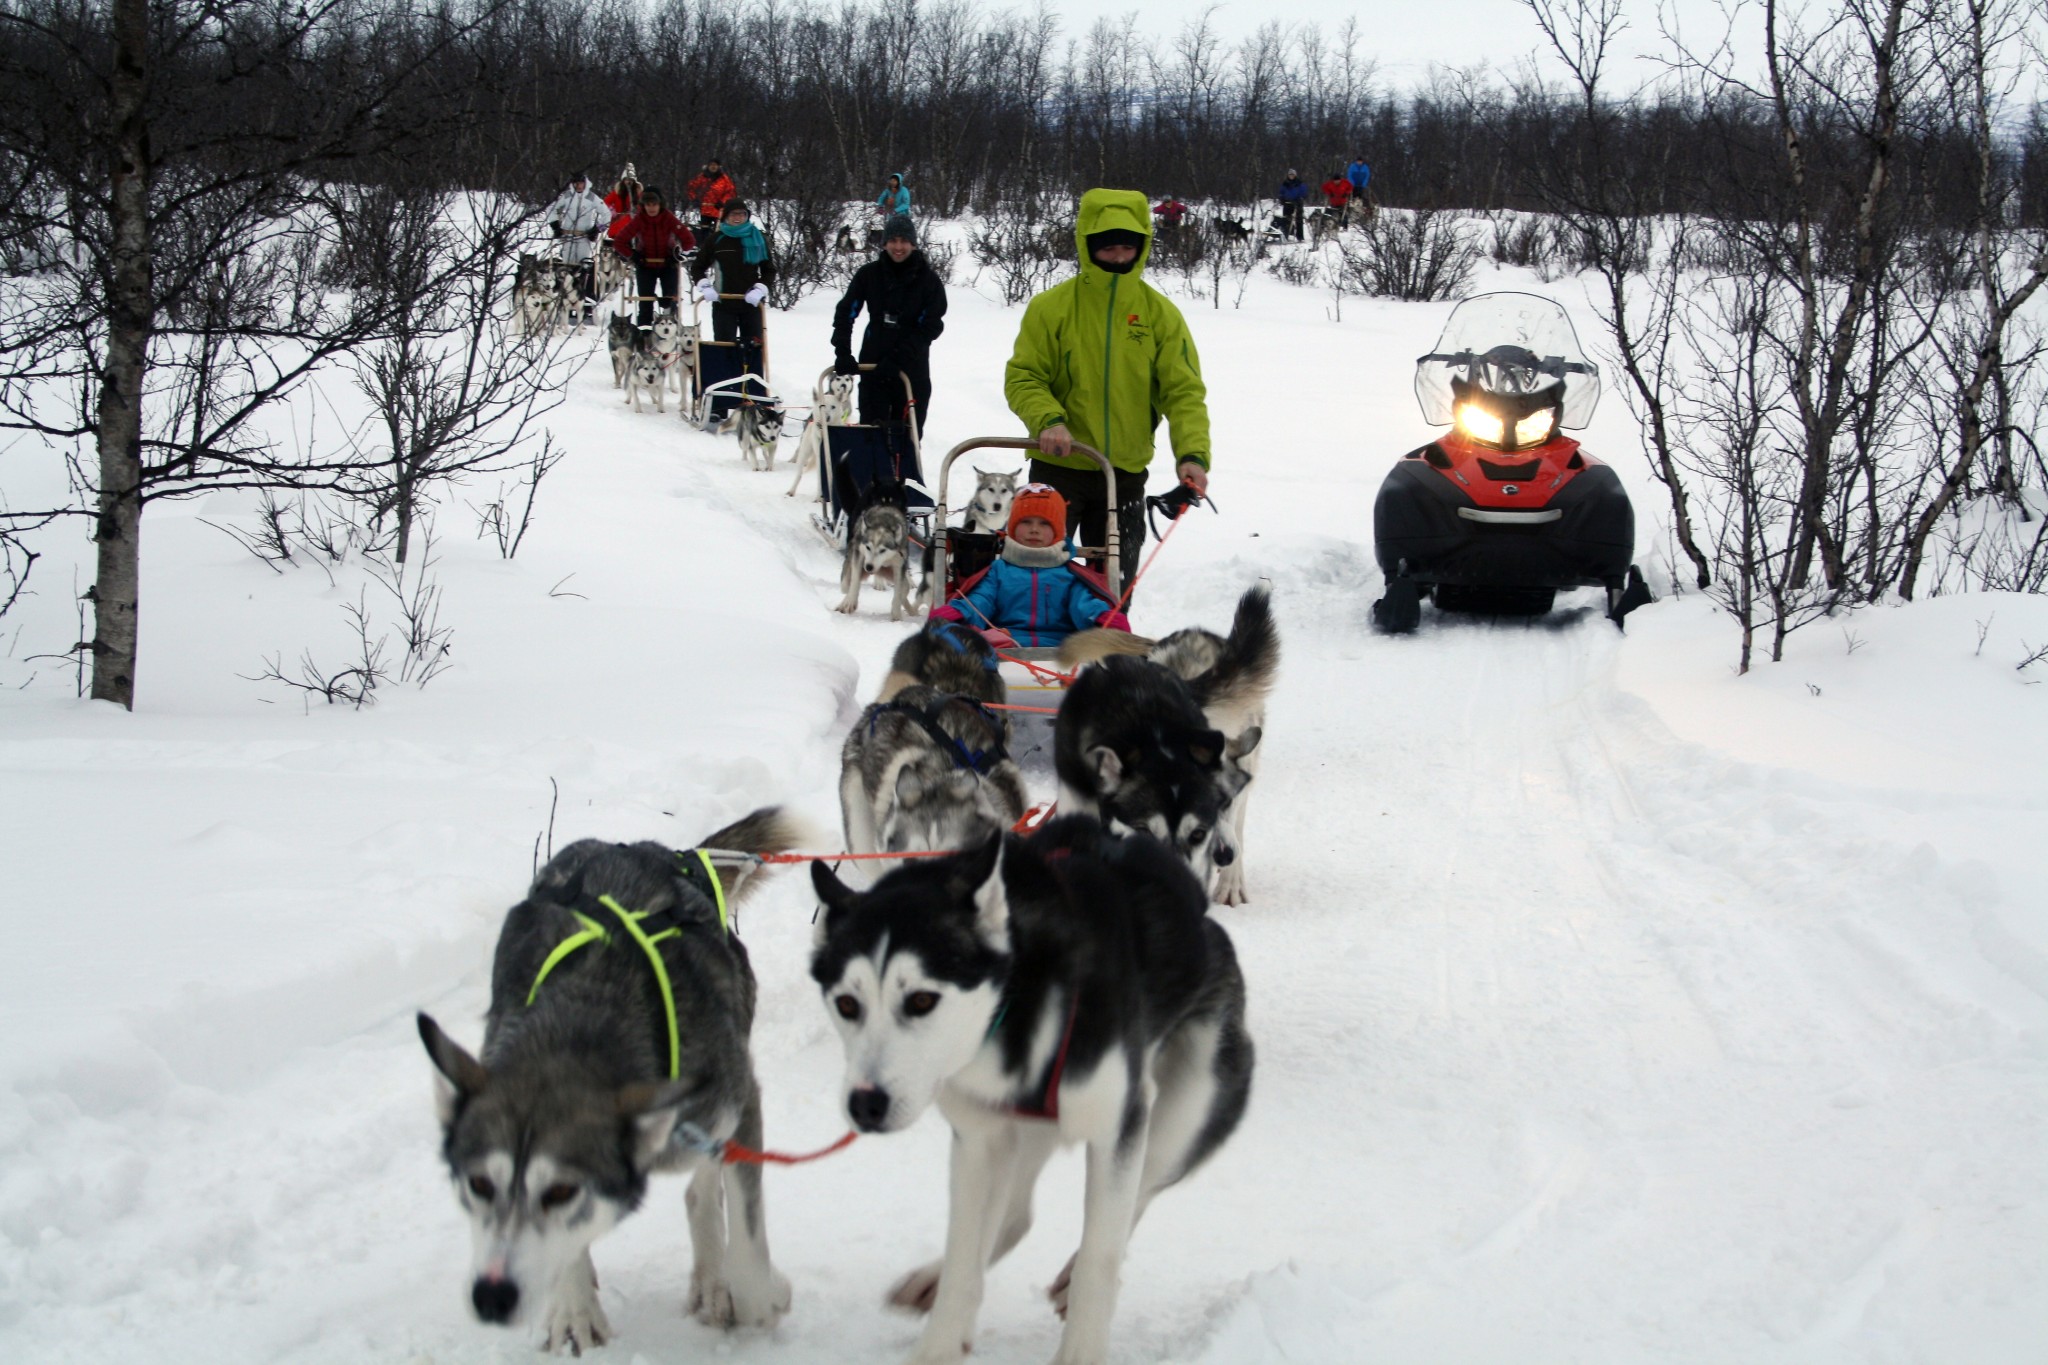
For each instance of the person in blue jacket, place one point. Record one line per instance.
(1360, 175)
(1293, 194)
(1034, 593)
(894, 198)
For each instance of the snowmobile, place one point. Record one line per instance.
(1503, 510)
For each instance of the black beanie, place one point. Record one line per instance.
(1115, 237)
(899, 225)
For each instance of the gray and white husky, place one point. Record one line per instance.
(622, 338)
(1062, 987)
(989, 509)
(927, 770)
(831, 404)
(878, 547)
(585, 1086)
(1230, 679)
(947, 656)
(644, 375)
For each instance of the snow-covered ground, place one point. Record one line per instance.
(1609, 1007)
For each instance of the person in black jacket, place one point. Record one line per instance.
(734, 260)
(906, 306)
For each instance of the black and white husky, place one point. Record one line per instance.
(1059, 988)
(926, 770)
(622, 338)
(949, 657)
(1230, 678)
(587, 1084)
(758, 424)
(644, 375)
(878, 546)
(1131, 748)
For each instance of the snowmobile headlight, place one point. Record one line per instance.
(1480, 424)
(1535, 429)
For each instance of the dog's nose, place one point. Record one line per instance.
(869, 1109)
(1224, 854)
(495, 1300)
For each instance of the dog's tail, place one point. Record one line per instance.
(771, 829)
(1250, 659)
(1092, 646)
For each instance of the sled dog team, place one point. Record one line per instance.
(1058, 987)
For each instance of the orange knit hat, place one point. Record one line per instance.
(1040, 500)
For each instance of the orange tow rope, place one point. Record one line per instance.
(732, 1154)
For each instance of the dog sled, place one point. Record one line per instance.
(725, 374)
(866, 463)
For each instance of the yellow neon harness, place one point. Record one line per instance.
(594, 931)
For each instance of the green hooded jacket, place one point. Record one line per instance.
(1108, 354)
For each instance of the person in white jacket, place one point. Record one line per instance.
(579, 218)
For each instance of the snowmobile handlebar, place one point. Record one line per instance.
(1112, 552)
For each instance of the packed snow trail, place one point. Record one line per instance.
(1579, 1038)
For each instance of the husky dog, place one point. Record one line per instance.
(948, 657)
(989, 510)
(645, 375)
(1232, 229)
(664, 341)
(609, 272)
(759, 425)
(926, 770)
(594, 1074)
(622, 338)
(1058, 988)
(878, 546)
(831, 404)
(1230, 679)
(687, 334)
(1132, 748)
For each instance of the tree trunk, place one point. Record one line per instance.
(117, 583)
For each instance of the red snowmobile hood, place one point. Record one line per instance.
(1513, 480)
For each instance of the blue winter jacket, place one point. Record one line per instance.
(1293, 191)
(895, 201)
(1039, 607)
(1360, 175)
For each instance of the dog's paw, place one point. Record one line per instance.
(1230, 885)
(576, 1322)
(847, 607)
(710, 1299)
(759, 1303)
(950, 1353)
(915, 1292)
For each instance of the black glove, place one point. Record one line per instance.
(844, 363)
(592, 234)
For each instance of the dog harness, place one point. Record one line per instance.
(976, 761)
(950, 634)
(594, 931)
(1047, 1103)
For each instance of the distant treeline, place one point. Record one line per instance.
(979, 106)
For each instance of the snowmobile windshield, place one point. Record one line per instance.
(1512, 346)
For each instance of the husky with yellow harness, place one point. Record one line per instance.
(615, 1046)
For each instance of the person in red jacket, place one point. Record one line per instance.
(624, 202)
(1337, 194)
(1170, 212)
(655, 239)
(709, 192)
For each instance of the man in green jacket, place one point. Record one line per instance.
(1099, 360)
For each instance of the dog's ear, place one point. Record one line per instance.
(833, 894)
(1244, 744)
(457, 1075)
(1109, 769)
(1205, 747)
(981, 875)
(909, 786)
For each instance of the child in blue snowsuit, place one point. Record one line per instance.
(1034, 591)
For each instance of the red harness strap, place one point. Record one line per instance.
(732, 1154)
(1048, 1105)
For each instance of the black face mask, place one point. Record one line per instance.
(1126, 268)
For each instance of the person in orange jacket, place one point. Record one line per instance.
(709, 192)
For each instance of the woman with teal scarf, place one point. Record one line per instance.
(734, 260)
